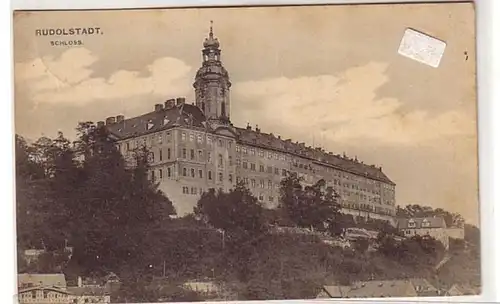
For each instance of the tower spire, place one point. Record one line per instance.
(211, 34)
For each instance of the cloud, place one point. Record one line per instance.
(68, 79)
(346, 108)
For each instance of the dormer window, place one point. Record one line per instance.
(426, 223)
(411, 224)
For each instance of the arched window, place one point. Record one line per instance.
(223, 109)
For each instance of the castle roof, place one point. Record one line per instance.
(161, 119)
(190, 116)
(270, 141)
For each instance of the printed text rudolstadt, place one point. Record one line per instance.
(74, 31)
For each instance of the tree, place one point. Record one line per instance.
(237, 212)
(313, 206)
(415, 210)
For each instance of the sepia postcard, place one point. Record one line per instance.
(246, 153)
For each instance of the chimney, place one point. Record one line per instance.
(80, 284)
(257, 128)
(180, 100)
(120, 118)
(249, 127)
(100, 124)
(110, 120)
(170, 103)
(158, 107)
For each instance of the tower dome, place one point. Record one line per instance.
(212, 83)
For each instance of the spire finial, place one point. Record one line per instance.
(211, 28)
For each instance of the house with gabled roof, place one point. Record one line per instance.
(422, 226)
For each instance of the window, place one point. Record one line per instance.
(252, 181)
(184, 153)
(192, 154)
(425, 223)
(161, 174)
(277, 171)
(238, 149)
(194, 190)
(262, 183)
(231, 178)
(128, 146)
(252, 151)
(230, 160)
(221, 177)
(283, 172)
(244, 150)
(261, 153)
(238, 162)
(229, 144)
(200, 155)
(210, 175)
(220, 161)
(252, 167)
(221, 144)
(183, 136)
(191, 137)
(168, 153)
(269, 155)
(411, 223)
(200, 173)
(209, 157)
(271, 198)
(245, 165)
(209, 140)
(261, 168)
(161, 155)
(184, 172)
(269, 184)
(261, 197)
(153, 175)
(269, 169)
(276, 156)
(200, 139)
(192, 172)
(185, 190)
(169, 172)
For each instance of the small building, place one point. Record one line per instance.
(42, 295)
(32, 255)
(370, 289)
(84, 295)
(42, 288)
(462, 290)
(203, 287)
(431, 226)
(424, 288)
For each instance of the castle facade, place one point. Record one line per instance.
(195, 147)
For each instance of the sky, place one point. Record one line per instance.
(329, 76)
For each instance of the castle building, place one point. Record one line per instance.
(195, 147)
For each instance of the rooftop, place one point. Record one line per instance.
(421, 222)
(27, 280)
(372, 289)
(176, 112)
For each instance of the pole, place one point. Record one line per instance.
(164, 268)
